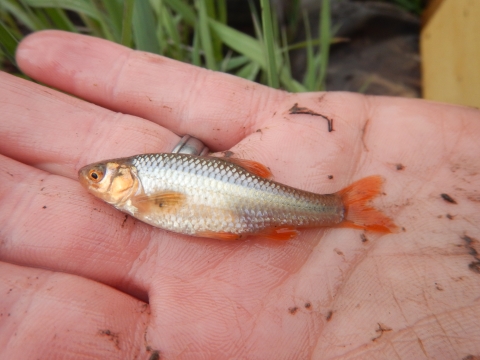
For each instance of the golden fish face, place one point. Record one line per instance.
(110, 181)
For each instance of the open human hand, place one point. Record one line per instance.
(79, 279)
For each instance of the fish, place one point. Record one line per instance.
(227, 198)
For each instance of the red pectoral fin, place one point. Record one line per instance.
(252, 166)
(158, 202)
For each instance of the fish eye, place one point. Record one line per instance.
(96, 175)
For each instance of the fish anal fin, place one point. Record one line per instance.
(158, 201)
(358, 213)
(252, 166)
(280, 233)
(224, 236)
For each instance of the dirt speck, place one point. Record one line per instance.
(364, 238)
(338, 251)
(228, 154)
(472, 245)
(293, 310)
(399, 167)
(330, 177)
(112, 336)
(449, 216)
(308, 305)
(475, 266)
(44, 206)
(380, 330)
(155, 355)
(329, 315)
(448, 198)
(438, 287)
(124, 220)
(471, 357)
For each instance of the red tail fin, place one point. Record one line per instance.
(358, 214)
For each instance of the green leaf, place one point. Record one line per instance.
(240, 42)
(81, 6)
(269, 40)
(8, 43)
(249, 71)
(60, 19)
(187, 13)
(127, 22)
(325, 38)
(26, 18)
(144, 27)
(114, 9)
(205, 35)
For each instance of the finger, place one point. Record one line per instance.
(59, 133)
(47, 315)
(49, 222)
(217, 108)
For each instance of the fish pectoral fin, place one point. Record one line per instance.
(224, 236)
(158, 201)
(279, 233)
(252, 166)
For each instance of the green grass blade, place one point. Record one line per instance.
(143, 24)
(60, 19)
(311, 71)
(172, 36)
(325, 38)
(127, 22)
(180, 7)
(114, 10)
(235, 62)
(240, 42)
(205, 35)
(269, 40)
(196, 59)
(8, 43)
(249, 71)
(21, 15)
(81, 6)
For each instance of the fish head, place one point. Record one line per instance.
(112, 181)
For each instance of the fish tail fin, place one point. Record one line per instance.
(358, 213)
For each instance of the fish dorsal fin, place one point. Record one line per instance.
(159, 201)
(251, 166)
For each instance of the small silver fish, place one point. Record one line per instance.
(226, 199)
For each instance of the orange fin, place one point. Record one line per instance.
(358, 214)
(158, 201)
(252, 166)
(278, 233)
(225, 236)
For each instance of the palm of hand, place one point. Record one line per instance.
(328, 293)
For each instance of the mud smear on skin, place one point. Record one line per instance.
(473, 247)
(111, 336)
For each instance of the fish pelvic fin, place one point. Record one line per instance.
(224, 236)
(281, 233)
(358, 212)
